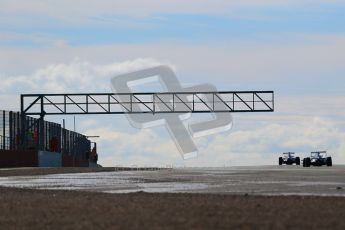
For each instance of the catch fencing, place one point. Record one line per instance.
(15, 135)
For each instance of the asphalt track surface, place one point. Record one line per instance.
(269, 197)
(261, 180)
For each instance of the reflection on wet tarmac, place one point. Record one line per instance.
(266, 180)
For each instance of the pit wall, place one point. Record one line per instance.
(15, 158)
(72, 161)
(33, 158)
(49, 159)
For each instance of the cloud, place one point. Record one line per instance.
(143, 147)
(80, 12)
(263, 144)
(313, 62)
(78, 76)
(135, 7)
(260, 145)
(41, 39)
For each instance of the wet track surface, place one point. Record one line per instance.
(263, 180)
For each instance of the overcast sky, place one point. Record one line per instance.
(296, 48)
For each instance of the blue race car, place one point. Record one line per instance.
(289, 159)
(318, 158)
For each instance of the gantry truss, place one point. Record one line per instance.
(131, 103)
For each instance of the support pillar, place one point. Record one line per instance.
(3, 130)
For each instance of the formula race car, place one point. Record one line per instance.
(317, 159)
(289, 159)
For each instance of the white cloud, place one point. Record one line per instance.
(102, 12)
(259, 145)
(263, 144)
(143, 147)
(78, 76)
(309, 59)
(134, 7)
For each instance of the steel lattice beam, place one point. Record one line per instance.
(167, 102)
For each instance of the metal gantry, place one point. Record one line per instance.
(139, 103)
(162, 102)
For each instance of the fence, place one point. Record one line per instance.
(14, 135)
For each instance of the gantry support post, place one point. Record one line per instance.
(41, 133)
(22, 124)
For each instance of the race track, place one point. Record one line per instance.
(261, 180)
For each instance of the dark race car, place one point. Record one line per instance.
(319, 158)
(289, 159)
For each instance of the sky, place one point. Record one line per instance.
(296, 48)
